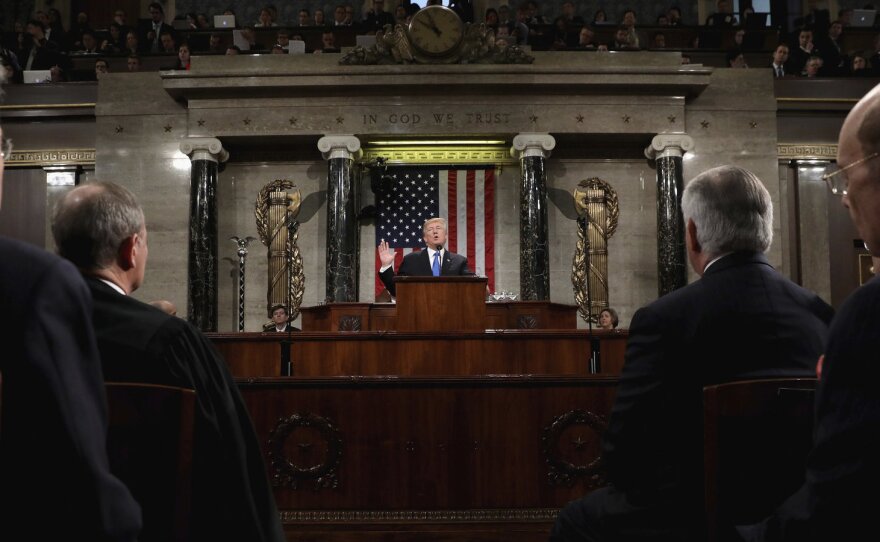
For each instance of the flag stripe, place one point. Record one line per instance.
(479, 261)
(489, 226)
(452, 209)
(470, 210)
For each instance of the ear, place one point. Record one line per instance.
(691, 237)
(127, 254)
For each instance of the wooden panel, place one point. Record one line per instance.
(426, 354)
(441, 303)
(426, 454)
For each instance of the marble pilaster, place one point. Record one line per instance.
(205, 154)
(534, 268)
(667, 150)
(343, 243)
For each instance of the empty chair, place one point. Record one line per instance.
(149, 444)
(757, 435)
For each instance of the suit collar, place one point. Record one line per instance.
(735, 259)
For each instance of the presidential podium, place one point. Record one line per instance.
(441, 303)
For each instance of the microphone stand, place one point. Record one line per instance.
(594, 341)
(286, 363)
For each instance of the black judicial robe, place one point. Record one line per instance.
(232, 499)
(55, 480)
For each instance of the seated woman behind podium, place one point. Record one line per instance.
(608, 319)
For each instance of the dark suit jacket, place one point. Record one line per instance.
(840, 499)
(741, 320)
(145, 26)
(416, 264)
(232, 499)
(54, 424)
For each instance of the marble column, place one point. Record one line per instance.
(343, 241)
(534, 255)
(667, 150)
(205, 153)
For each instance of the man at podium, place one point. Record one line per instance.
(434, 261)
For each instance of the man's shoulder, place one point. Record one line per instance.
(31, 263)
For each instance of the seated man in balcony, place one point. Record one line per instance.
(435, 260)
(100, 228)
(741, 320)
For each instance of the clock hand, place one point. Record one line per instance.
(430, 26)
(433, 23)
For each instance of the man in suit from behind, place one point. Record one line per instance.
(435, 260)
(839, 498)
(53, 431)
(100, 228)
(741, 320)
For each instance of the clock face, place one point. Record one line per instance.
(435, 30)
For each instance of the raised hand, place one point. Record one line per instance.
(386, 255)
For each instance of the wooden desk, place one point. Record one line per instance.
(383, 316)
(534, 352)
(399, 459)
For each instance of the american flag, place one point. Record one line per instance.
(464, 197)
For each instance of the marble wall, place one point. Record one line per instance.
(139, 126)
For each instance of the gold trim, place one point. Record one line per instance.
(807, 151)
(419, 516)
(25, 107)
(411, 154)
(51, 157)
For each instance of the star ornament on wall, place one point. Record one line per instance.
(580, 119)
(533, 118)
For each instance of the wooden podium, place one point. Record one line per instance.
(441, 303)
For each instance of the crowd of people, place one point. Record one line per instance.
(816, 48)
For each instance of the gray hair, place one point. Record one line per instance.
(91, 222)
(731, 209)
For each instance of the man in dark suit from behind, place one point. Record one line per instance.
(840, 499)
(742, 320)
(55, 480)
(435, 260)
(100, 228)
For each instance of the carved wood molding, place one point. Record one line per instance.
(561, 470)
(350, 323)
(419, 516)
(327, 456)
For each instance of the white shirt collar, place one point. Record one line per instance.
(714, 260)
(112, 285)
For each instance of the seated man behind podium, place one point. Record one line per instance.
(100, 228)
(434, 261)
(741, 320)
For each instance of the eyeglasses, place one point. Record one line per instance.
(6, 149)
(836, 178)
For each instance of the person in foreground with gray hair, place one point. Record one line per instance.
(100, 228)
(688, 339)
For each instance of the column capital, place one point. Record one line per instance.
(663, 145)
(339, 146)
(204, 148)
(532, 144)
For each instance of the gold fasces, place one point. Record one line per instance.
(597, 207)
(275, 211)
